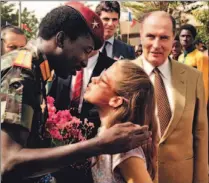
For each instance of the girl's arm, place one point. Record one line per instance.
(134, 170)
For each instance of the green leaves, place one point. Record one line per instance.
(9, 14)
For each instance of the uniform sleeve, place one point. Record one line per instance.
(18, 97)
(119, 158)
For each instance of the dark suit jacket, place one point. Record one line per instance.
(60, 90)
(122, 50)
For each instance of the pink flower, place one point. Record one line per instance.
(50, 100)
(63, 125)
(51, 109)
(55, 134)
(63, 128)
(81, 137)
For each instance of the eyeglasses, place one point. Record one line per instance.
(101, 79)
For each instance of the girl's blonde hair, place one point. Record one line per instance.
(139, 105)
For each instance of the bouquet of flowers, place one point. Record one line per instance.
(62, 128)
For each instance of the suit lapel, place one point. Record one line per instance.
(63, 92)
(178, 75)
(115, 52)
(99, 67)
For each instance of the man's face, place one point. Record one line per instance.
(176, 48)
(74, 56)
(186, 38)
(157, 39)
(200, 47)
(12, 41)
(110, 21)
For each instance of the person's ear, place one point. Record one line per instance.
(60, 38)
(116, 101)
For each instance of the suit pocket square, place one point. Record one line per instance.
(118, 58)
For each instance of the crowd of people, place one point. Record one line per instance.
(148, 104)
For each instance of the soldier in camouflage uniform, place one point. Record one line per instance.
(23, 76)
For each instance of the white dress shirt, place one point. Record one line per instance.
(165, 70)
(88, 70)
(109, 47)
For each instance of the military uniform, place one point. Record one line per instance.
(23, 76)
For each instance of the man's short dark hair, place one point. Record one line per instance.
(190, 28)
(10, 28)
(146, 15)
(108, 6)
(198, 41)
(66, 19)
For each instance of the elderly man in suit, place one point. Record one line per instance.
(109, 12)
(180, 105)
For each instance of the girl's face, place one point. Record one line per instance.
(101, 89)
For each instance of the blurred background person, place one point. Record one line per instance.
(191, 55)
(138, 50)
(176, 48)
(206, 53)
(109, 12)
(12, 37)
(200, 45)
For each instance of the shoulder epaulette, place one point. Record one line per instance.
(45, 70)
(23, 59)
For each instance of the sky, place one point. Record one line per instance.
(40, 8)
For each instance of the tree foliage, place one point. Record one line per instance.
(9, 15)
(203, 31)
(31, 21)
(198, 9)
(139, 8)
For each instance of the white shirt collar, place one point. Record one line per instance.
(164, 68)
(92, 61)
(111, 40)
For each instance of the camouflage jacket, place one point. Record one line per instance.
(23, 77)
